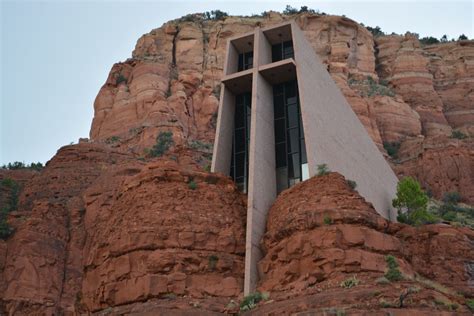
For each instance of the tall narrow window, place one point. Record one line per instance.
(239, 168)
(290, 149)
(282, 51)
(245, 61)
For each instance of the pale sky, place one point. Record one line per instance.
(55, 55)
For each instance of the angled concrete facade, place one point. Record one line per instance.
(333, 135)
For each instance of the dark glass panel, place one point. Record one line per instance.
(282, 179)
(293, 140)
(279, 108)
(276, 52)
(248, 60)
(293, 116)
(304, 159)
(280, 130)
(239, 116)
(288, 50)
(294, 166)
(278, 89)
(239, 164)
(280, 155)
(290, 92)
(239, 140)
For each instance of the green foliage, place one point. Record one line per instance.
(192, 185)
(120, 78)
(352, 184)
(462, 37)
(213, 261)
(393, 273)
(199, 145)
(392, 148)
(323, 169)
(376, 31)
(327, 220)
(452, 197)
(250, 301)
(458, 135)
(112, 140)
(429, 40)
(10, 204)
(289, 10)
(21, 165)
(470, 304)
(444, 39)
(163, 142)
(350, 282)
(215, 15)
(369, 87)
(411, 202)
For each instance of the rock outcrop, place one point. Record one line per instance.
(105, 228)
(321, 232)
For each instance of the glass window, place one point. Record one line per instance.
(293, 140)
(280, 155)
(280, 130)
(294, 166)
(245, 61)
(276, 52)
(279, 108)
(282, 50)
(293, 117)
(282, 179)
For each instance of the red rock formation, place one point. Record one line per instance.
(321, 232)
(151, 235)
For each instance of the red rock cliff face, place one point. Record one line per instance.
(102, 230)
(172, 83)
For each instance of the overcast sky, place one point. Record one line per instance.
(55, 55)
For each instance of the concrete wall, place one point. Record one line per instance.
(262, 180)
(222, 152)
(335, 136)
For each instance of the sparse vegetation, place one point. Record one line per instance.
(458, 135)
(112, 140)
(352, 184)
(376, 31)
(350, 282)
(327, 220)
(392, 148)
(213, 261)
(199, 145)
(250, 301)
(470, 304)
(21, 165)
(10, 204)
(215, 15)
(452, 197)
(429, 40)
(393, 273)
(163, 142)
(462, 37)
(411, 203)
(192, 185)
(369, 87)
(120, 78)
(323, 169)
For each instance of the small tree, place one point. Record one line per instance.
(462, 37)
(444, 38)
(411, 203)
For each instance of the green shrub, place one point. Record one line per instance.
(112, 139)
(429, 40)
(192, 185)
(163, 142)
(199, 145)
(323, 169)
(10, 204)
(327, 220)
(21, 165)
(352, 184)
(393, 273)
(392, 148)
(462, 37)
(458, 135)
(120, 78)
(452, 197)
(213, 261)
(411, 203)
(350, 282)
(470, 304)
(215, 15)
(250, 301)
(376, 31)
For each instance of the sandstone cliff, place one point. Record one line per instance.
(106, 229)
